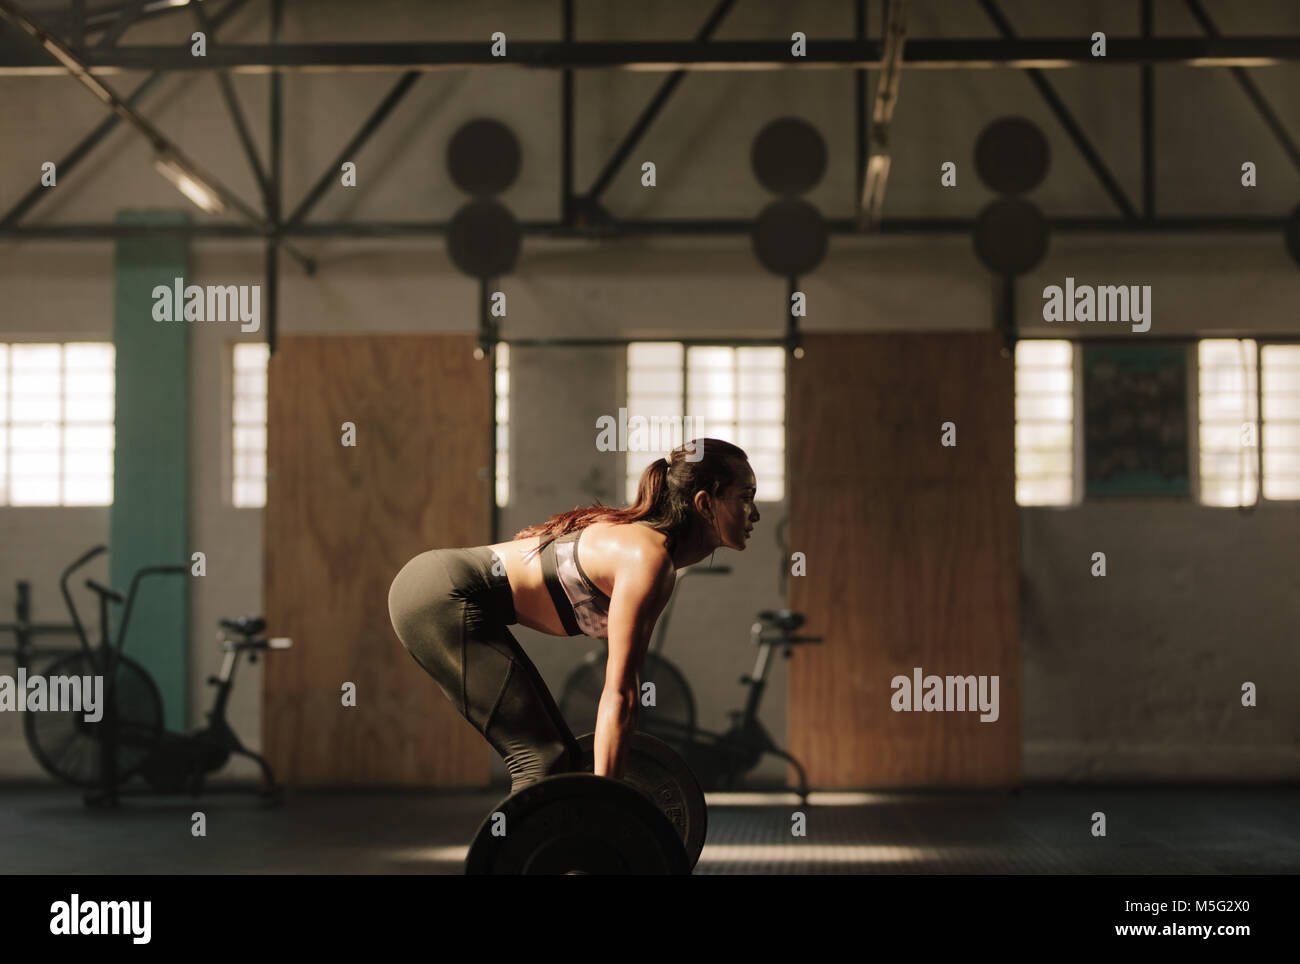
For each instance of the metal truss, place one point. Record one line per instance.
(659, 56)
(86, 45)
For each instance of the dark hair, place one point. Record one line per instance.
(665, 494)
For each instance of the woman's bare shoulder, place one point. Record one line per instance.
(648, 544)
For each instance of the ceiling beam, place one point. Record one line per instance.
(667, 56)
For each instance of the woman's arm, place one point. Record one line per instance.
(642, 585)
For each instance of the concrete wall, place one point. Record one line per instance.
(1133, 676)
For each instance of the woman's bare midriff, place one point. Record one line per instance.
(598, 550)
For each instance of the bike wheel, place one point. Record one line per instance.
(671, 719)
(71, 749)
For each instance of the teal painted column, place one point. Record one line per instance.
(149, 518)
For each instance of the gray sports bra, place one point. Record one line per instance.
(583, 608)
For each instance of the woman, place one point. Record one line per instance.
(450, 607)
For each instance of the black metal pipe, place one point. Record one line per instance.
(666, 56)
(71, 64)
(791, 340)
(860, 119)
(1253, 94)
(354, 144)
(77, 32)
(236, 113)
(272, 261)
(623, 342)
(1148, 123)
(231, 231)
(104, 18)
(487, 339)
(1270, 117)
(1004, 311)
(129, 13)
(487, 325)
(566, 122)
(1000, 293)
(276, 121)
(1066, 119)
(274, 195)
(1254, 334)
(652, 109)
(78, 153)
(102, 129)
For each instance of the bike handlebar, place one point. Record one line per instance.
(130, 595)
(108, 593)
(67, 597)
(103, 590)
(97, 550)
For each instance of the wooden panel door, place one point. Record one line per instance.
(340, 521)
(912, 555)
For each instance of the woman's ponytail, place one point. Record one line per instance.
(661, 502)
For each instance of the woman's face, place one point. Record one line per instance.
(736, 512)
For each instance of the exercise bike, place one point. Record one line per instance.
(25, 632)
(129, 740)
(720, 760)
(673, 718)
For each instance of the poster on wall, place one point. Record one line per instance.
(1135, 420)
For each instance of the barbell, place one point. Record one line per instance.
(654, 821)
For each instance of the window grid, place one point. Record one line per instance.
(249, 424)
(737, 394)
(56, 423)
(4, 424)
(1044, 433)
(1280, 422)
(1228, 397)
(502, 375)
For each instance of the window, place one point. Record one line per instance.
(1229, 413)
(56, 423)
(249, 424)
(656, 380)
(503, 423)
(736, 394)
(1044, 423)
(1280, 378)
(248, 431)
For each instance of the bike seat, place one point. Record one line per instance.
(245, 625)
(785, 639)
(783, 619)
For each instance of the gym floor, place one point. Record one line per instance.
(1005, 325)
(1171, 830)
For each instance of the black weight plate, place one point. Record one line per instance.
(1011, 155)
(483, 157)
(1010, 236)
(483, 239)
(576, 823)
(1293, 235)
(659, 772)
(788, 156)
(790, 237)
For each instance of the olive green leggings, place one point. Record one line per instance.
(450, 608)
